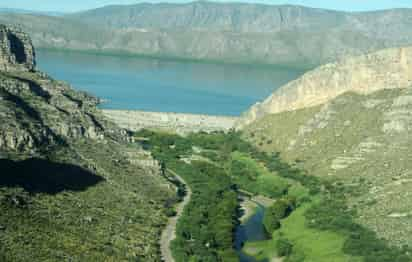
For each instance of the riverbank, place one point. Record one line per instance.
(248, 205)
(169, 233)
(248, 208)
(170, 122)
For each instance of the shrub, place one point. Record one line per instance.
(279, 210)
(284, 247)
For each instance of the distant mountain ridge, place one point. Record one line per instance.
(25, 11)
(209, 16)
(239, 17)
(224, 32)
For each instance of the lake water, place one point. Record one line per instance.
(162, 85)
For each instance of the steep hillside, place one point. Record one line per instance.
(350, 123)
(235, 33)
(386, 69)
(72, 186)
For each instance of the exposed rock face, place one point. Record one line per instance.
(58, 150)
(386, 69)
(35, 111)
(16, 50)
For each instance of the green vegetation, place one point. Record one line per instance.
(322, 228)
(281, 209)
(66, 212)
(309, 221)
(255, 177)
(332, 214)
(284, 247)
(353, 141)
(205, 231)
(66, 195)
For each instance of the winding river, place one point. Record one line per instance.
(251, 230)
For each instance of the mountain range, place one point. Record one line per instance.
(24, 11)
(226, 32)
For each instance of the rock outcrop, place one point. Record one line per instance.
(16, 50)
(58, 151)
(386, 69)
(35, 110)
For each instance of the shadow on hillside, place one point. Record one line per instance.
(17, 48)
(42, 176)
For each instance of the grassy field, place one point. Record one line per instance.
(259, 179)
(308, 244)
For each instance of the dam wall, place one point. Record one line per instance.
(172, 122)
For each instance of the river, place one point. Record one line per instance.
(251, 230)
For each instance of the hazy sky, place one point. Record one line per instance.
(76, 5)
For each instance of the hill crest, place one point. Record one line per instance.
(365, 74)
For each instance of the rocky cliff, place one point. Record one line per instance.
(16, 50)
(35, 109)
(386, 69)
(235, 33)
(68, 176)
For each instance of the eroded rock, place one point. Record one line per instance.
(16, 50)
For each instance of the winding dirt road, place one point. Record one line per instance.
(169, 233)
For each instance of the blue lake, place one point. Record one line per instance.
(162, 85)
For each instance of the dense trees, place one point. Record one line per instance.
(331, 213)
(279, 210)
(205, 231)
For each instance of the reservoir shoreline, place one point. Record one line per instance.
(180, 59)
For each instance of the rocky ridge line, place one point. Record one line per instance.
(386, 69)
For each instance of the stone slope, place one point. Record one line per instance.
(234, 33)
(386, 69)
(72, 186)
